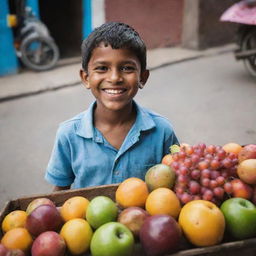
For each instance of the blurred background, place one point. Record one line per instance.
(195, 80)
(193, 24)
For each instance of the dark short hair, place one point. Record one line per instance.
(117, 35)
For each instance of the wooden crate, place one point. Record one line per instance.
(234, 248)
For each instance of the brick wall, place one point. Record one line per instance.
(158, 22)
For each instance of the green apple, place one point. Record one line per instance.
(101, 210)
(113, 239)
(240, 217)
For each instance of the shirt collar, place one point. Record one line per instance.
(86, 129)
(143, 121)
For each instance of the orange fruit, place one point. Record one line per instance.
(167, 159)
(74, 207)
(77, 234)
(163, 201)
(232, 147)
(132, 192)
(202, 223)
(15, 219)
(17, 238)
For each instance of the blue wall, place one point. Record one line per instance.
(8, 59)
(87, 18)
(35, 7)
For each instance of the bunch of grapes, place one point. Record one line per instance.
(204, 172)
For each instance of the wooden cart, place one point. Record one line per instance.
(233, 248)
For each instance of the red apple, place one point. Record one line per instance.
(241, 189)
(43, 218)
(133, 218)
(4, 251)
(160, 234)
(37, 202)
(48, 243)
(247, 152)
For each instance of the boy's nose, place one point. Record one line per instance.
(115, 76)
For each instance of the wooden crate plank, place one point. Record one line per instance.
(235, 248)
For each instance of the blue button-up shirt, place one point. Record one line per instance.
(82, 157)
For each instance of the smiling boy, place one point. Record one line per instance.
(115, 138)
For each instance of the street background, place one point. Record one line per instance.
(207, 95)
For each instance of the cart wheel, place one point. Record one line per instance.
(39, 53)
(249, 43)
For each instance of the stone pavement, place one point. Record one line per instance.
(66, 72)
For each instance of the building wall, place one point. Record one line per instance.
(158, 22)
(212, 32)
(98, 13)
(201, 24)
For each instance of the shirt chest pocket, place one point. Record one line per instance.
(93, 170)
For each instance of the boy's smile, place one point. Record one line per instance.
(113, 76)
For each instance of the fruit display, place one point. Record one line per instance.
(198, 196)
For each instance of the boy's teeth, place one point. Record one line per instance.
(111, 91)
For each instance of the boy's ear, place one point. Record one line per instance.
(84, 78)
(144, 76)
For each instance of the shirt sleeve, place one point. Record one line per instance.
(59, 170)
(171, 140)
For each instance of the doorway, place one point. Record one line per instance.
(64, 21)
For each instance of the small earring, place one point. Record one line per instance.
(140, 85)
(87, 86)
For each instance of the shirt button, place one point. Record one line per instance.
(116, 172)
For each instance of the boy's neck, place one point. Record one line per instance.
(114, 118)
(115, 125)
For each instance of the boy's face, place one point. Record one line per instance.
(113, 76)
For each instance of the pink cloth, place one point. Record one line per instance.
(240, 13)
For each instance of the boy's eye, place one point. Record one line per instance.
(101, 68)
(127, 68)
